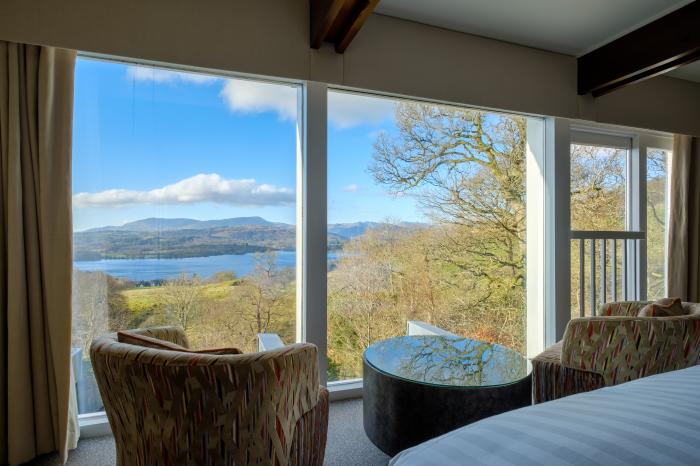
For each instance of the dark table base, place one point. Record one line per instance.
(398, 414)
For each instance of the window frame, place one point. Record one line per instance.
(548, 215)
(638, 142)
(541, 297)
(96, 424)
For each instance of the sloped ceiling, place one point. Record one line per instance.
(572, 27)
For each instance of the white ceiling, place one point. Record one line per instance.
(572, 27)
(690, 72)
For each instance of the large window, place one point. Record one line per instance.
(184, 207)
(188, 189)
(426, 212)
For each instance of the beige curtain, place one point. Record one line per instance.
(36, 104)
(683, 279)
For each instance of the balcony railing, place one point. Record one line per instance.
(611, 254)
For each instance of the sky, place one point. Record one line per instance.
(150, 142)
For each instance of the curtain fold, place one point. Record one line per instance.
(683, 278)
(36, 104)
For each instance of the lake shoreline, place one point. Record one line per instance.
(205, 267)
(175, 257)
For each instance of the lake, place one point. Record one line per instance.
(163, 269)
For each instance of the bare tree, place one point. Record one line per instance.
(657, 171)
(265, 291)
(466, 168)
(182, 301)
(597, 185)
(363, 284)
(98, 307)
(90, 308)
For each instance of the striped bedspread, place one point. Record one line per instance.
(650, 421)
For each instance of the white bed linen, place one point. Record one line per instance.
(650, 421)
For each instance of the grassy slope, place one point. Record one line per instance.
(140, 300)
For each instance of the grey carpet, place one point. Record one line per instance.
(347, 443)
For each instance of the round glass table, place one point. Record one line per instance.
(419, 387)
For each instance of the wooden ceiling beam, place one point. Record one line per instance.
(323, 14)
(338, 21)
(654, 49)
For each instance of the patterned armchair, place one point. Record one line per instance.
(177, 408)
(616, 347)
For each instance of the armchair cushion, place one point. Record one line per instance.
(621, 308)
(166, 333)
(137, 339)
(667, 307)
(131, 338)
(217, 351)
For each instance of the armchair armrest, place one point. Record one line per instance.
(621, 349)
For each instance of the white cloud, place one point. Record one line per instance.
(199, 188)
(346, 110)
(248, 96)
(351, 188)
(160, 75)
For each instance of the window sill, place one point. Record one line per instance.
(94, 425)
(345, 389)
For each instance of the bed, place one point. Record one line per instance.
(650, 421)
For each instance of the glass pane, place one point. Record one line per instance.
(598, 190)
(598, 185)
(657, 203)
(178, 217)
(426, 212)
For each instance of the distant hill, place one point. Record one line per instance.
(350, 230)
(183, 237)
(166, 224)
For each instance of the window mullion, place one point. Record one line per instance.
(636, 217)
(312, 216)
(557, 228)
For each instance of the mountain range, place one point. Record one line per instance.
(184, 237)
(169, 224)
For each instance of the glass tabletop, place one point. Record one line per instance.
(448, 361)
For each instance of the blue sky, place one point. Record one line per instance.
(157, 143)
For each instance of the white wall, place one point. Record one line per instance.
(270, 37)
